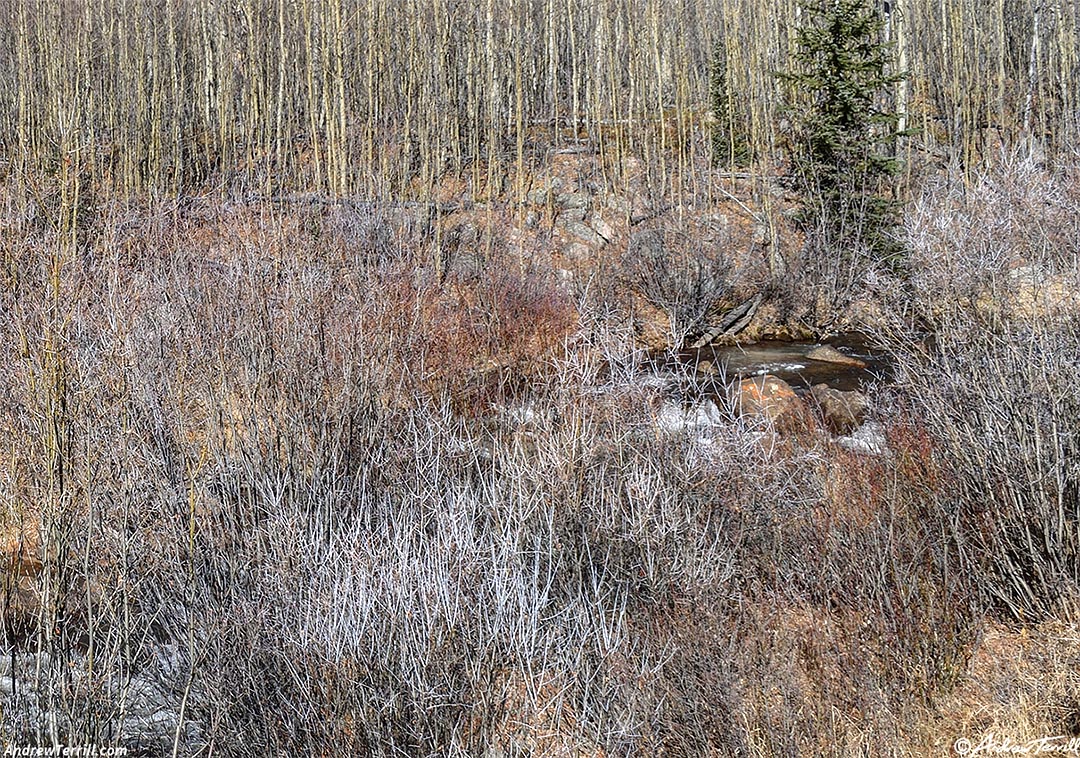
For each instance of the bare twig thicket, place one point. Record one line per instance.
(386, 98)
(989, 349)
(271, 526)
(271, 484)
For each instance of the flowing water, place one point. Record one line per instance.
(791, 362)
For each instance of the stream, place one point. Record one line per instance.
(792, 362)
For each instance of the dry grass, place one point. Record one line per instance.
(1022, 685)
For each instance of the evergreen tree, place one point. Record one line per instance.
(730, 146)
(840, 151)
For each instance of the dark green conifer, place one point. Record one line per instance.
(844, 128)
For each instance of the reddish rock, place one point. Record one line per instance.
(770, 397)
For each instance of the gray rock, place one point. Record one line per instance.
(571, 215)
(545, 191)
(707, 368)
(829, 354)
(647, 243)
(572, 200)
(601, 227)
(582, 231)
(843, 412)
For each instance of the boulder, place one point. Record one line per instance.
(647, 244)
(829, 354)
(601, 227)
(545, 191)
(567, 200)
(707, 368)
(769, 397)
(576, 251)
(843, 412)
(571, 215)
(581, 230)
